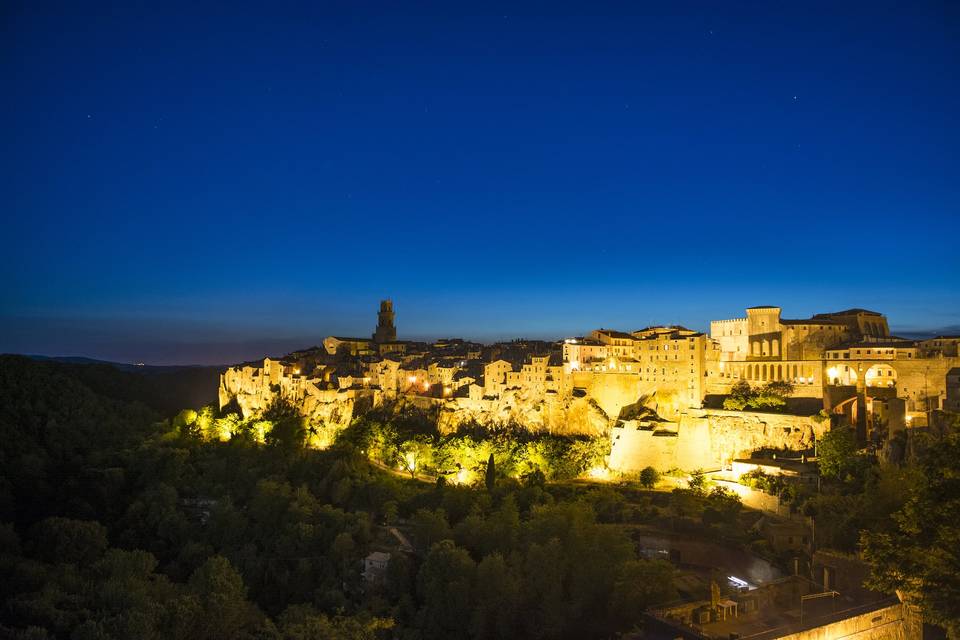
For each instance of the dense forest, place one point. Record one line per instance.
(121, 523)
(122, 519)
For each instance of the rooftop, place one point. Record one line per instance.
(620, 335)
(849, 312)
(888, 344)
(774, 610)
(814, 320)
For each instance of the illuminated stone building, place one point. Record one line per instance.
(386, 331)
(384, 338)
(659, 390)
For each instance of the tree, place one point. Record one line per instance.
(64, 540)
(779, 388)
(836, 452)
(698, 482)
(430, 527)
(304, 622)
(920, 558)
(649, 477)
(497, 600)
(288, 435)
(722, 507)
(416, 454)
(491, 474)
(445, 586)
(640, 585)
(219, 590)
(545, 611)
(772, 395)
(740, 393)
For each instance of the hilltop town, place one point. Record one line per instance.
(662, 394)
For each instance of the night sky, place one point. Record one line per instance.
(190, 187)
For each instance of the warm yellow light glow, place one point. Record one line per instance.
(411, 462)
(599, 473)
(411, 379)
(831, 373)
(426, 386)
(464, 476)
(447, 391)
(574, 365)
(296, 372)
(612, 364)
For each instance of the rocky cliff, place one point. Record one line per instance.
(693, 438)
(708, 439)
(541, 413)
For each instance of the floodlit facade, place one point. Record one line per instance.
(846, 363)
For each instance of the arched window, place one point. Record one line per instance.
(766, 347)
(776, 347)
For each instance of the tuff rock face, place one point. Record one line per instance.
(645, 429)
(708, 439)
(255, 389)
(544, 414)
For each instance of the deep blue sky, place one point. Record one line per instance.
(182, 185)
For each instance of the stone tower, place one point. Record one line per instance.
(385, 332)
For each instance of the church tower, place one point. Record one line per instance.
(385, 332)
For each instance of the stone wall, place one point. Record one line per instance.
(894, 622)
(539, 413)
(696, 438)
(254, 389)
(709, 439)
(614, 391)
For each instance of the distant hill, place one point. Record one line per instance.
(126, 366)
(167, 389)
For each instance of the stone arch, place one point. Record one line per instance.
(779, 372)
(756, 348)
(841, 406)
(766, 348)
(880, 375)
(775, 347)
(763, 374)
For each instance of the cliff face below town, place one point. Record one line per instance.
(708, 439)
(538, 413)
(640, 435)
(253, 390)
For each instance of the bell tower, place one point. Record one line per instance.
(385, 332)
